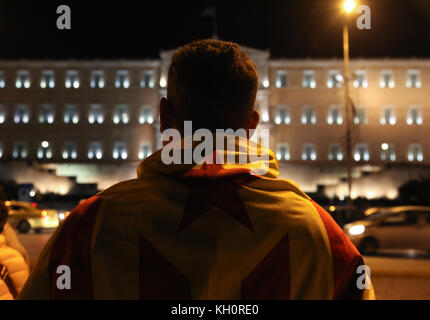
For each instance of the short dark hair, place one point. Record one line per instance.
(212, 83)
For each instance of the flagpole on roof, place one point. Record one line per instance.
(211, 12)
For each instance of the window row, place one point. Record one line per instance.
(70, 150)
(96, 114)
(335, 115)
(360, 152)
(335, 79)
(72, 79)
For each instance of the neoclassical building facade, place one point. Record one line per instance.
(63, 122)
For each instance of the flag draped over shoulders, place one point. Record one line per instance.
(206, 231)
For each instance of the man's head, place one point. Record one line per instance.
(212, 83)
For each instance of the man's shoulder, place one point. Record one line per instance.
(121, 188)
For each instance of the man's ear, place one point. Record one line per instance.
(254, 120)
(165, 114)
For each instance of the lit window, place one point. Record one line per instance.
(70, 151)
(121, 114)
(2, 80)
(309, 79)
(283, 152)
(334, 115)
(262, 107)
(22, 114)
(2, 114)
(309, 152)
(146, 115)
(97, 79)
(71, 114)
(19, 150)
(335, 79)
(388, 116)
(122, 79)
(283, 115)
(95, 150)
(361, 152)
(387, 79)
(22, 79)
(46, 114)
(281, 79)
(96, 114)
(360, 80)
(144, 150)
(388, 152)
(360, 116)
(120, 151)
(414, 115)
(414, 79)
(415, 152)
(335, 153)
(72, 79)
(163, 82)
(44, 150)
(308, 115)
(147, 80)
(47, 80)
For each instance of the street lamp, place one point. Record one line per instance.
(348, 6)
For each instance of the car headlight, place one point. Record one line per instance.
(61, 216)
(356, 230)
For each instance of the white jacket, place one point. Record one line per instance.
(16, 267)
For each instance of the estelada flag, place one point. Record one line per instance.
(206, 231)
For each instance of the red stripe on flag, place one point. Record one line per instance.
(159, 279)
(270, 279)
(346, 259)
(73, 249)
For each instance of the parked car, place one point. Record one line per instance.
(344, 214)
(403, 227)
(26, 216)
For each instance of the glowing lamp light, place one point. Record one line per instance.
(384, 146)
(349, 5)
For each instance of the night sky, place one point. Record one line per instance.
(139, 29)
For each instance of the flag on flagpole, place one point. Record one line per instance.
(209, 12)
